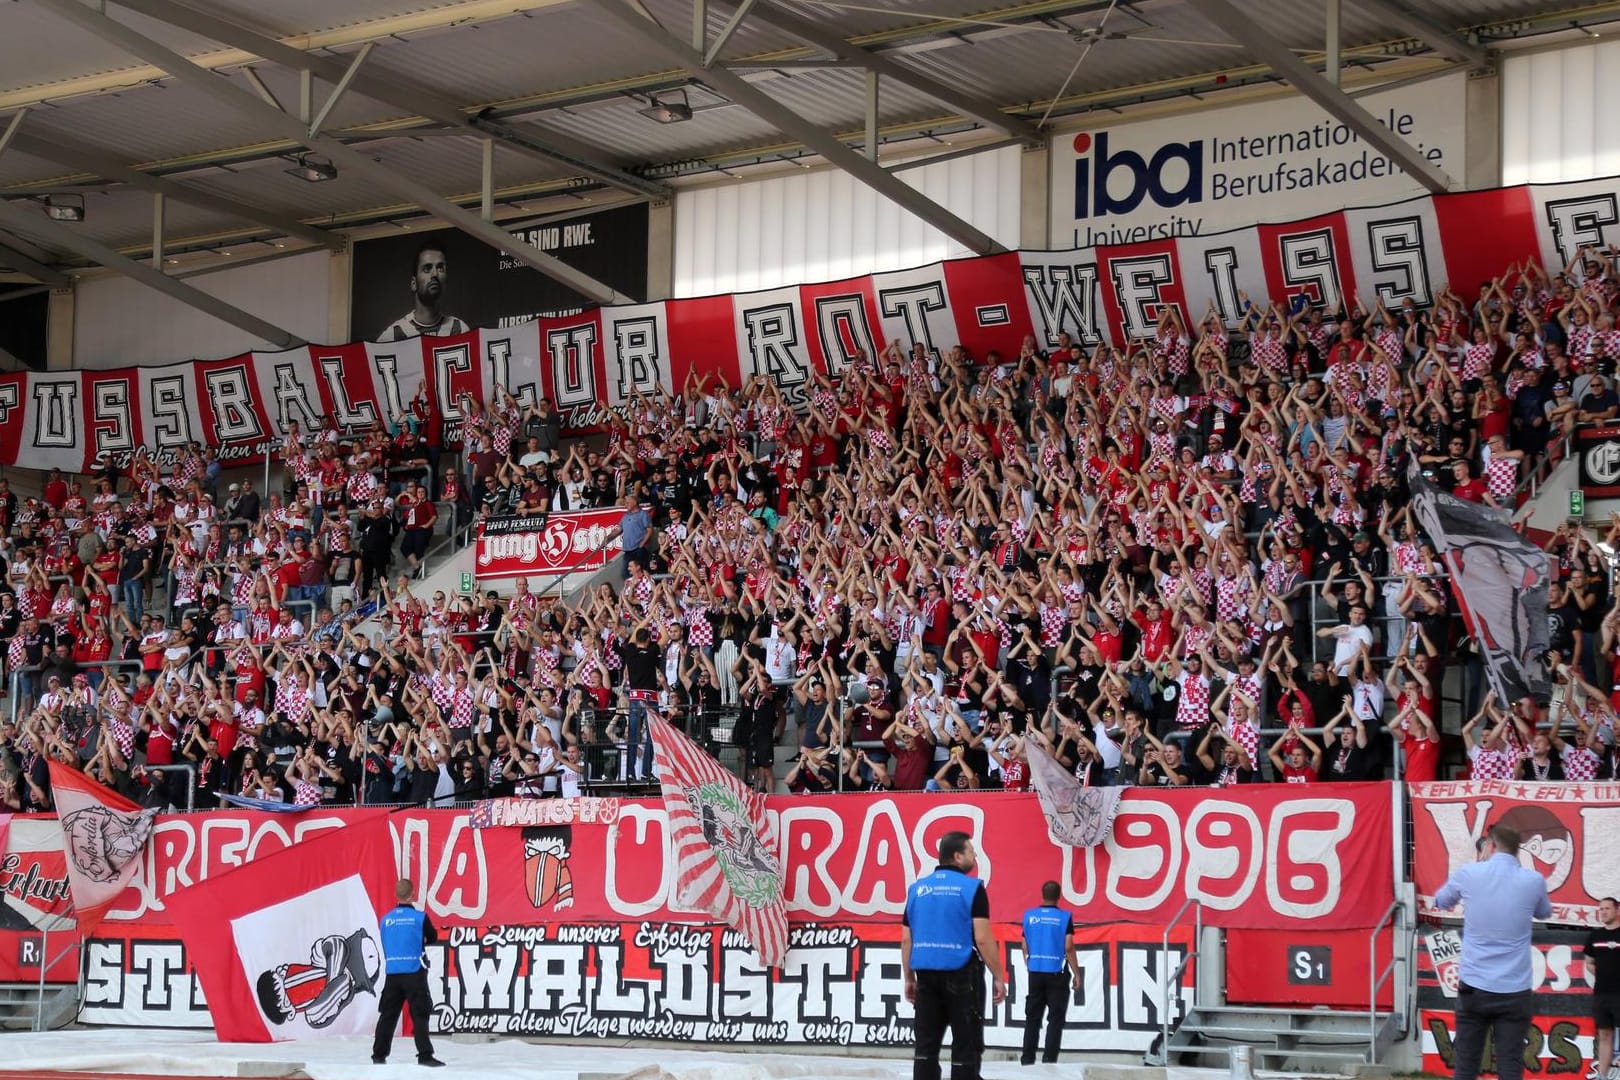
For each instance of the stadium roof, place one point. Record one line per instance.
(260, 129)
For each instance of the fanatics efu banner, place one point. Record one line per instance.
(592, 363)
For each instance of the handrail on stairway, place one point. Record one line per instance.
(1174, 979)
(46, 962)
(1392, 917)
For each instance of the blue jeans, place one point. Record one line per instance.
(640, 739)
(134, 600)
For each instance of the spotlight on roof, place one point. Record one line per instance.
(668, 112)
(64, 207)
(312, 169)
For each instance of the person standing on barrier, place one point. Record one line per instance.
(945, 946)
(1495, 976)
(1048, 950)
(406, 932)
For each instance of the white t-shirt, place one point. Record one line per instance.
(1349, 641)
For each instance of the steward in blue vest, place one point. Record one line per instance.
(945, 946)
(1048, 950)
(406, 932)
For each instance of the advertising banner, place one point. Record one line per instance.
(841, 985)
(594, 362)
(1272, 160)
(1561, 1035)
(1570, 831)
(558, 543)
(480, 285)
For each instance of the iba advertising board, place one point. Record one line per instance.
(1225, 168)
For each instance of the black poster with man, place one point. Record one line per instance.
(442, 281)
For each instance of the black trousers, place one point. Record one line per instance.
(1506, 1017)
(398, 991)
(1048, 995)
(953, 999)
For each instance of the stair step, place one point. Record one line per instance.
(1256, 1010)
(1273, 1052)
(1245, 1034)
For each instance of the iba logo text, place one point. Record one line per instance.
(1117, 183)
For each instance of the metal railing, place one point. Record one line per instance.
(47, 961)
(1377, 978)
(191, 780)
(14, 683)
(1172, 982)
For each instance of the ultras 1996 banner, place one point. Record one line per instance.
(1260, 857)
(595, 362)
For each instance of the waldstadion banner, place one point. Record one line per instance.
(595, 362)
(1271, 161)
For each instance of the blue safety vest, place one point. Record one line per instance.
(402, 940)
(939, 910)
(1046, 939)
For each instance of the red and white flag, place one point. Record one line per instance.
(287, 946)
(103, 834)
(727, 853)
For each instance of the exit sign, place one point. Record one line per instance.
(1577, 503)
(466, 582)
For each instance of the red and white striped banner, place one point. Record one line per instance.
(595, 361)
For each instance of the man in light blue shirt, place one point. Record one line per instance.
(1493, 992)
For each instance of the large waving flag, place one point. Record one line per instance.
(1500, 581)
(727, 853)
(1076, 815)
(287, 946)
(103, 834)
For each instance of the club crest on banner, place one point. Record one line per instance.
(339, 968)
(751, 870)
(309, 959)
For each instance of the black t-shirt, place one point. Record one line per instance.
(1603, 949)
(1562, 622)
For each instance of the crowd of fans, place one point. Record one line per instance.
(1184, 561)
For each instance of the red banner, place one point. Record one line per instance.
(1561, 1037)
(1257, 857)
(596, 361)
(1570, 831)
(547, 543)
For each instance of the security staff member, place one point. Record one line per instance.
(1048, 947)
(945, 945)
(405, 933)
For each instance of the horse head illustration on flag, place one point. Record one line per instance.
(1500, 581)
(725, 845)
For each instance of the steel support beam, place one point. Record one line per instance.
(1333, 50)
(812, 33)
(550, 147)
(790, 123)
(110, 167)
(27, 264)
(261, 89)
(724, 37)
(1235, 24)
(344, 157)
(157, 232)
(343, 83)
(700, 24)
(1442, 39)
(55, 234)
(11, 130)
(487, 184)
(871, 147)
